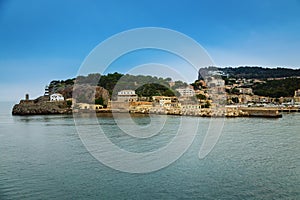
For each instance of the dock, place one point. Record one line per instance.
(262, 112)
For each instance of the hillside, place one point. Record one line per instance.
(253, 72)
(107, 86)
(277, 88)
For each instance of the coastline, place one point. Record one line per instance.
(38, 107)
(44, 106)
(52, 108)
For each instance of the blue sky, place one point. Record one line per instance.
(45, 40)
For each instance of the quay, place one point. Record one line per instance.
(262, 112)
(289, 109)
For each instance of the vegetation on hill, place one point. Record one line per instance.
(154, 89)
(277, 88)
(260, 72)
(252, 72)
(108, 85)
(283, 87)
(146, 86)
(64, 87)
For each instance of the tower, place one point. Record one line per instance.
(46, 91)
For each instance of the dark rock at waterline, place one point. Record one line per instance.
(41, 106)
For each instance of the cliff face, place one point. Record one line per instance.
(38, 107)
(66, 91)
(84, 93)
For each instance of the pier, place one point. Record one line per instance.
(262, 112)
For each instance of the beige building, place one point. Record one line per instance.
(86, 106)
(297, 93)
(245, 90)
(141, 106)
(186, 92)
(190, 106)
(162, 100)
(297, 96)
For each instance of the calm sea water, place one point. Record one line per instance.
(42, 157)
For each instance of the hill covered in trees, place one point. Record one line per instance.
(107, 86)
(252, 72)
(146, 86)
(285, 81)
(277, 88)
(260, 72)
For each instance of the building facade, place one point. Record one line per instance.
(57, 97)
(186, 92)
(127, 96)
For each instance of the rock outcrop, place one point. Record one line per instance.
(41, 107)
(84, 93)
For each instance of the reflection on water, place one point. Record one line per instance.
(42, 157)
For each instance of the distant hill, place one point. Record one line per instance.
(252, 72)
(106, 86)
(277, 88)
(146, 86)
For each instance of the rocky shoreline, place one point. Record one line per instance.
(218, 112)
(42, 106)
(50, 108)
(36, 107)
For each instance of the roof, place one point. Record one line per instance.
(56, 94)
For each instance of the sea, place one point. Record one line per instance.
(44, 157)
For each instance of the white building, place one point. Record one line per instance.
(127, 96)
(216, 87)
(215, 82)
(186, 92)
(245, 90)
(57, 97)
(126, 92)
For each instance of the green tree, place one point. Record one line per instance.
(235, 99)
(99, 101)
(201, 96)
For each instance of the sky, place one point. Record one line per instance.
(44, 40)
